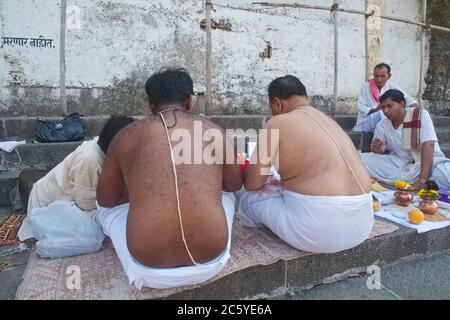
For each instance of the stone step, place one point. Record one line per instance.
(48, 155)
(41, 155)
(445, 149)
(25, 128)
(8, 180)
(441, 121)
(404, 244)
(268, 281)
(443, 135)
(347, 122)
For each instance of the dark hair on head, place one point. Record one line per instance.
(114, 124)
(383, 65)
(431, 185)
(394, 95)
(169, 86)
(286, 87)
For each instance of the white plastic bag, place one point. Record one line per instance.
(63, 230)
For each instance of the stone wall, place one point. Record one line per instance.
(112, 47)
(437, 92)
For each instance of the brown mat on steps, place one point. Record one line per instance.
(102, 276)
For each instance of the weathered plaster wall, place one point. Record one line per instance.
(401, 43)
(111, 49)
(29, 75)
(301, 44)
(120, 43)
(437, 92)
(113, 46)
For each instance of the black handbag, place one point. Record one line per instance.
(69, 128)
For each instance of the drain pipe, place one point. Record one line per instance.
(336, 57)
(423, 44)
(62, 58)
(208, 102)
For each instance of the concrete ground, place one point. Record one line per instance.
(424, 279)
(11, 276)
(413, 278)
(16, 258)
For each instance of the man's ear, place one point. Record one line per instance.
(280, 105)
(389, 76)
(152, 107)
(188, 103)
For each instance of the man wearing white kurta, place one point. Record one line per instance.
(389, 161)
(369, 110)
(75, 178)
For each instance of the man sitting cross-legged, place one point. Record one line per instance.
(168, 211)
(405, 146)
(324, 201)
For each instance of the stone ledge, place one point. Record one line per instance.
(443, 135)
(441, 121)
(8, 180)
(25, 127)
(46, 155)
(314, 269)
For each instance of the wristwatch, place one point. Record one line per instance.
(422, 180)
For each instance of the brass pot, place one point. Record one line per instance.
(428, 206)
(403, 197)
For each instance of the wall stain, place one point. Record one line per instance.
(267, 53)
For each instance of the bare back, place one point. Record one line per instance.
(153, 226)
(310, 162)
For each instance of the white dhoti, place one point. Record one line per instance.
(321, 224)
(114, 221)
(389, 168)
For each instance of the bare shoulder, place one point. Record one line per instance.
(129, 135)
(284, 120)
(277, 122)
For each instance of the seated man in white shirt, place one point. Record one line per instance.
(405, 146)
(75, 178)
(369, 108)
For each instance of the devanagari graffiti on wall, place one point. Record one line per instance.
(40, 42)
